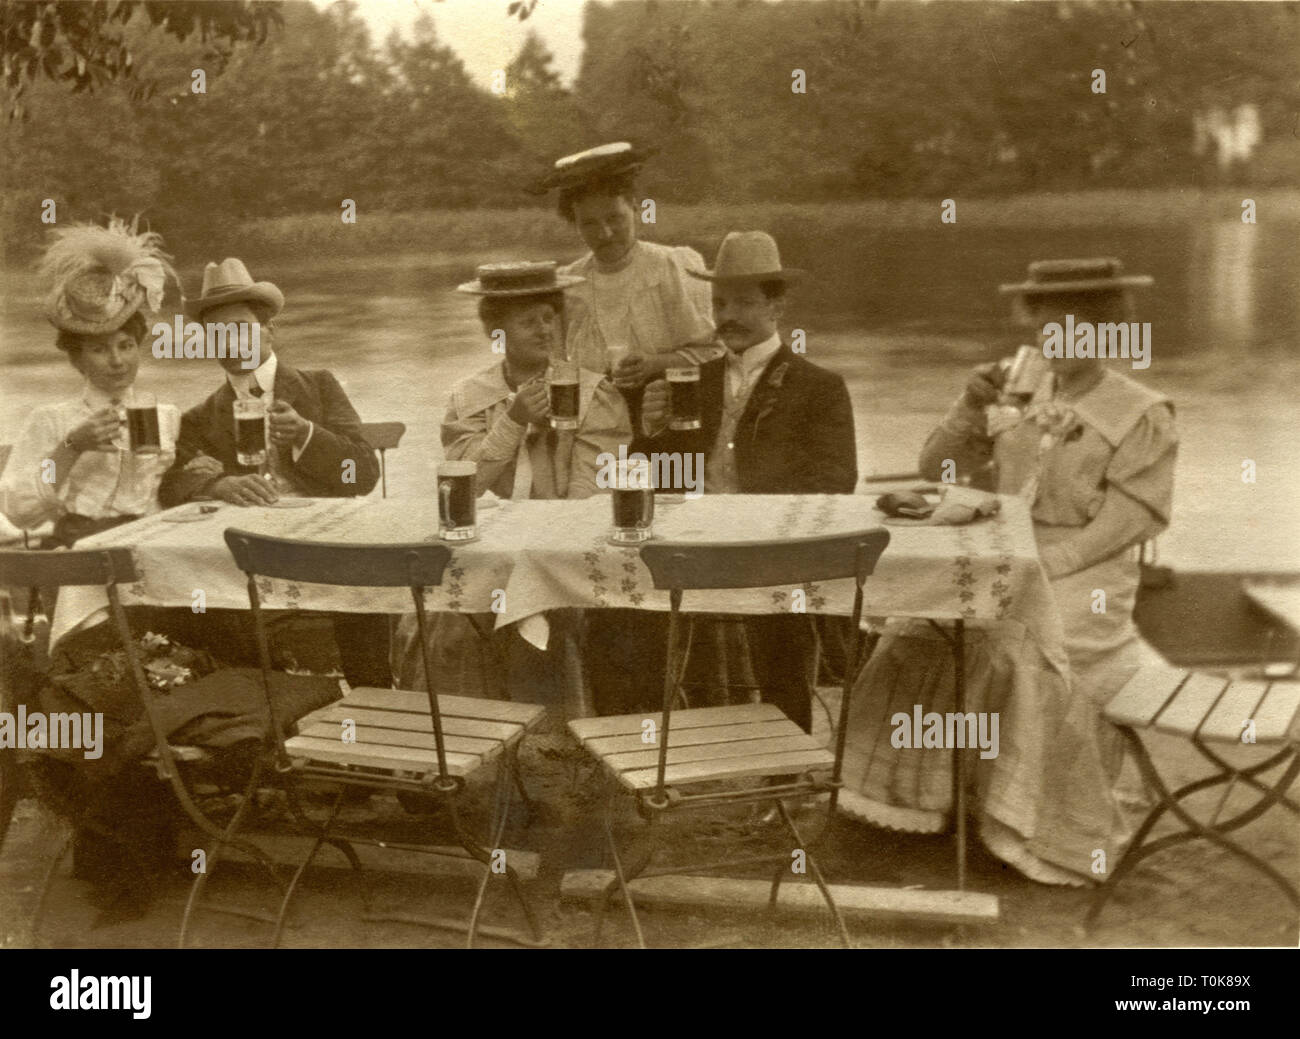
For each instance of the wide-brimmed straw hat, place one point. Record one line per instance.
(748, 256)
(598, 163)
(518, 279)
(104, 275)
(229, 282)
(1096, 274)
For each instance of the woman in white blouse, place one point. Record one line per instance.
(71, 464)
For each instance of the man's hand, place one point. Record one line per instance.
(97, 433)
(532, 404)
(288, 428)
(655, 406)
(984, 385)
(249, 489)
(637, 369)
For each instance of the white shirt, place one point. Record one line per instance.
(100, 483)
(744, 370)
(264, 374)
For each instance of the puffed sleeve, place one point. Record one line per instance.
(1143, 463)
(688, 301)
(26, 497)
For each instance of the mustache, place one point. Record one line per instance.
(731, 326)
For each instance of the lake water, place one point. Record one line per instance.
(902, 315)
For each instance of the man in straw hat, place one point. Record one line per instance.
(498, 418)
(316, 447)
(772, 423)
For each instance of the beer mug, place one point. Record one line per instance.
(634, 502)
(684, 398)
(457, 501)
(250, 430)
(142, 425)
(1027, 373)
(562, 384)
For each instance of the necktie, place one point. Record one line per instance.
(255, 389)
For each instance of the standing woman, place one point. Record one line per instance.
(71, 464)
(1095, 457)
(636, 314)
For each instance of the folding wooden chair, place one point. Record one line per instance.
(748, 741)
(110, 567)
(1206, 709)
(383, 436)
(389, 739)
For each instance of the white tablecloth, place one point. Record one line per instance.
(533, 556)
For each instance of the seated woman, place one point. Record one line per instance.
(71, 464)
(499, 419)
(1096, 459)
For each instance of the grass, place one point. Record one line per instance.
(539, 231)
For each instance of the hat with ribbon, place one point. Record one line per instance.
(518, 279)
(229, 282)
(605, 160)
(1097, 274)
(103, 275)
(748, 256)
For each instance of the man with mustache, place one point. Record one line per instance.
(772, 423)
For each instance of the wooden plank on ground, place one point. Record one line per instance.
(291, 849)
(1143, 696)
(379, 738)
(693, 718)
(1275, 713)
(732, 768)
(692, 737)
(1193, 701)
(1236, 705)
(405, 759)
(879, 903)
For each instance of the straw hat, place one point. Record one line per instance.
(229, 282)
(605, 160)
(1097, 274)
(748, 256)
(518, 279)
(103, 275)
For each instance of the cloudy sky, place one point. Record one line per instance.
(480, 31)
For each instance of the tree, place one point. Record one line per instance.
(82, 42)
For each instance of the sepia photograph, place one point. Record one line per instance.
(661, 474)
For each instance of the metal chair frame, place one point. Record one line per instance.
(416, 566)
(682, 566)
(111, 567)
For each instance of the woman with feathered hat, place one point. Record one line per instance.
(71, 465)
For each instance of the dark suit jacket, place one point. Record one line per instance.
(209, 429)
(795, 436)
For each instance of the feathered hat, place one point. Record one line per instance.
(103, 275)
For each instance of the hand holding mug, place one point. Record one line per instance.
(287, 427)
(97, 433)
(985, 384)
(656, 407)
(531, 405)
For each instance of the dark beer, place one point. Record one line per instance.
(457, 501)
(142, 424)
(562, 383)
(684, 398)
(250, 430)
(634, 503)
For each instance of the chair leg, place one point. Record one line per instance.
(321, 838)
(517, 777)
(623, 876)
(816, 872)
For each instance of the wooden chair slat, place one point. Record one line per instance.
(1143, 696)
(413, 702)
(733, 768)
(1276, 712)
(24, 568)
(638, 759)
(502, 731)
(376, 739)
(1237, 703)
(605, 745)
(1189, 706)
(693, 718)
(405, 759)
(396, 565)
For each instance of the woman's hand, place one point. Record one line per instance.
(655, 406)
(97, 433)
(532, 404)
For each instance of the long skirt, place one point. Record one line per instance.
(1046, 803)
